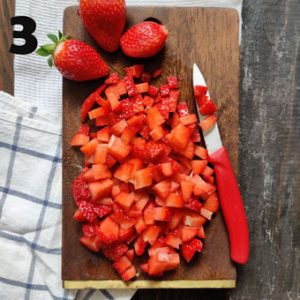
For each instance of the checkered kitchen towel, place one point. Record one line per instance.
(30, 206)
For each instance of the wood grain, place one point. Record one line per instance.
(7, 10)
(219, 60)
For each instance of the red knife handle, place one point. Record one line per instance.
(232, 206)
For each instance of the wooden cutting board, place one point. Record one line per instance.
(208, 37)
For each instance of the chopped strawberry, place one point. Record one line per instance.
(117, 148)
(157, 133)
(201, 152)
(129, 274)
(108, 231)
(162, 214)
(146, 77)
(151, 234)
(80, 190)
(79, 140)
(208, 108)
(173, 241)
(135, 71)
(89, 229)
(149, 214)
(186, 189)
(161, 262)
(144, 267)
(183, 109)
(143, 178)
(145, 132)
(189, 119)
(153, 91)
(78, 216)
(193, 204)
(89, 148)
(100, 189)
(93, 243)
(172, 82)
(122, 264)
(198, 166)
(189, 249)
(162, 189)
(189, 151)
(103, 135)
(201, 233)
(180, 137)
(174, 200)
(125, 199)
(112, 96)
(100, 156)
(188, 233)
(196, 137)
(131, 89)
(140, 226)
(148, 101)
(176, 218)
(139, 246)
(164, 90)
(137, 102)
(193, 219)
(200, 90)
(110, 160)
(154, 118)
(130, 254)
(118, 128)
(124, 172)
(113, 78)
(212, 203)
(115, 251)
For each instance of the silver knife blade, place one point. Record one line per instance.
(212, 137)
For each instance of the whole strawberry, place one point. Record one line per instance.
(104, 20)
(144, 39)
(74, 59)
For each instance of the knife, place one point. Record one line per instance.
(228, 190)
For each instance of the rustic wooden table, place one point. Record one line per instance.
(269, 164)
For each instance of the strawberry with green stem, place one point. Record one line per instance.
(74, 59)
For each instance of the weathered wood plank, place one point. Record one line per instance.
(7, 10)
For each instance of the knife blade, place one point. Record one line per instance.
(228, 190)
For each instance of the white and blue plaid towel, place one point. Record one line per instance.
(30, 206)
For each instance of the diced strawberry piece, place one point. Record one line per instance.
(119, 127)
(157, 133)
(180, 137)
(124, 110)
(117, 148)
(206, 213)
(183, 109)
(201, 152)
(207, 172)
(177, 216)
(146, 77)
(144, 267)
(141, 203)
(172, 82)
(137, 120)
(196, 137)
(202, 188)
(78, 216)
(149, 214)
(124, 172)
(129, 274)
(140, 226)
(112, 96)
(115, 251)
(164, 90)
(156, 73)
(131, 89)
(200, 90)
(201, 100)
(98, 112)
(113, 78)
(89, 229)
(172, 100)
(154, 250)
(188, 233)
(84, 129)
(153, 91)
(193, 204)
(163, 109)
(189, 119)
(174, 186)
(135, 70)
(148, 101)
(162, 214)
(189, 151)
(139, 246)
(142, 87)
(165, 169)
(122, 264)
(154, 118)
(102, 121)
(125, 199)
(208, 108)
(103, 135)
(89, 148)
(128, 134)
(212, 203)
(151, 234)
(186, 189)
(193, 219)
(100, 189)
(108, 231)
(143, 178)
(162, 189)
(201, 233)
(79, 140)
(100, 154)
(137, 103)
(127, 234)
(121, 88)
(161, 262)
(189, 249)
(145, 133)
(207, 123)
(198, 166)
(80, 190)
(130, 254)
(174, 200)
(93, 243)
(101, 171)
(173, 241)
(110, 160)
(106, 201)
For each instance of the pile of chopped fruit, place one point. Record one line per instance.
(146, 187)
